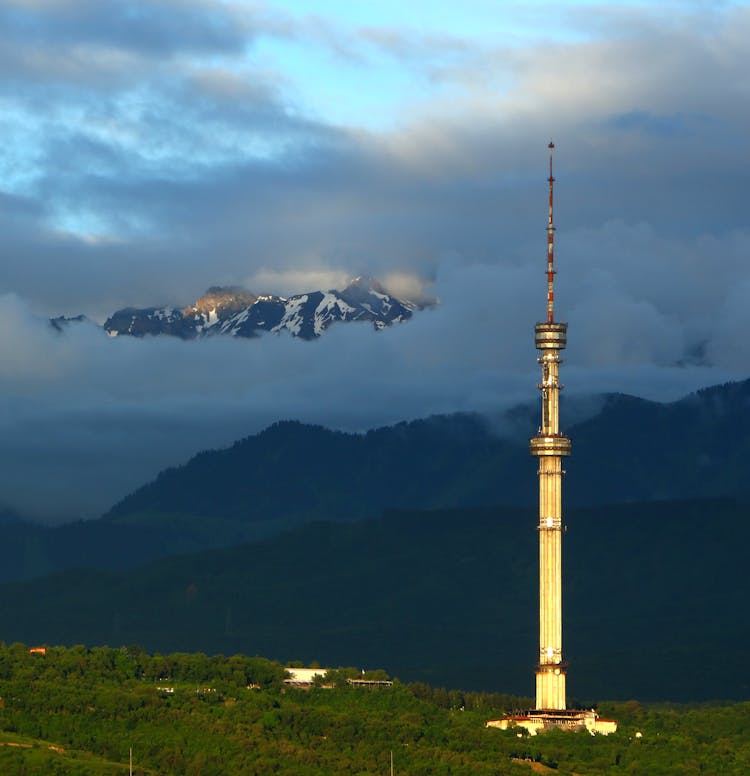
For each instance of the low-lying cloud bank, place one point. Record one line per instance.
(86, 418)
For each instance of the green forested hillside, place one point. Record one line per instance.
(79, 711)
(652, 593)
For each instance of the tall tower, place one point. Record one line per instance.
(549, 445)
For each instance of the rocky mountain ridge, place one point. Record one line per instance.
(237, 312)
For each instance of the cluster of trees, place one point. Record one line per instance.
(98, 665)
(198, 714)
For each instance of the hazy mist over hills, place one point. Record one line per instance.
(93, 417)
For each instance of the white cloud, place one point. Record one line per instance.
(295, 281)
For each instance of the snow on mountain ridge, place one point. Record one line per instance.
(237, 312)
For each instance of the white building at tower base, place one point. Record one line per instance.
(570, 719)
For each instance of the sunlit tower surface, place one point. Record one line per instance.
(549, 445)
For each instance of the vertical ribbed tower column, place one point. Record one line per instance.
(549, 446)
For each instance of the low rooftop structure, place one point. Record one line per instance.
(539, 721)
(370, 682)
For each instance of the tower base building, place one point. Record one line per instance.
(539, 721)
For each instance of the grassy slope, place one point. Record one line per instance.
(26, 755)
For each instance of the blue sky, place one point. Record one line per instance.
(375, 85)
(153, 148)
(351, 76)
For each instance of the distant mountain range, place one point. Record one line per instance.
(291, 473)
(630, 450)
(237, 312)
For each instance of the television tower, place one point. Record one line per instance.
(549, 445)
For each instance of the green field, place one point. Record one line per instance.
(78, 711)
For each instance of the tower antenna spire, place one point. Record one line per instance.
(551, 244)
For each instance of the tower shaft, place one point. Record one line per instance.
(550, 446)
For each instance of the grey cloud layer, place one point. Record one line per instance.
(186, 161)
(86, 418)
(156, 27)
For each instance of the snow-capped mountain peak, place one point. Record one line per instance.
(237, 312)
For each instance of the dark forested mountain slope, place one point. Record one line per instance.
(695, 447)
(301, 472)
(292, 473)
(653, 593)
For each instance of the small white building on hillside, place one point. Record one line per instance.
(304, 677)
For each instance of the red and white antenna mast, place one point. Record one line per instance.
(550, 245)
